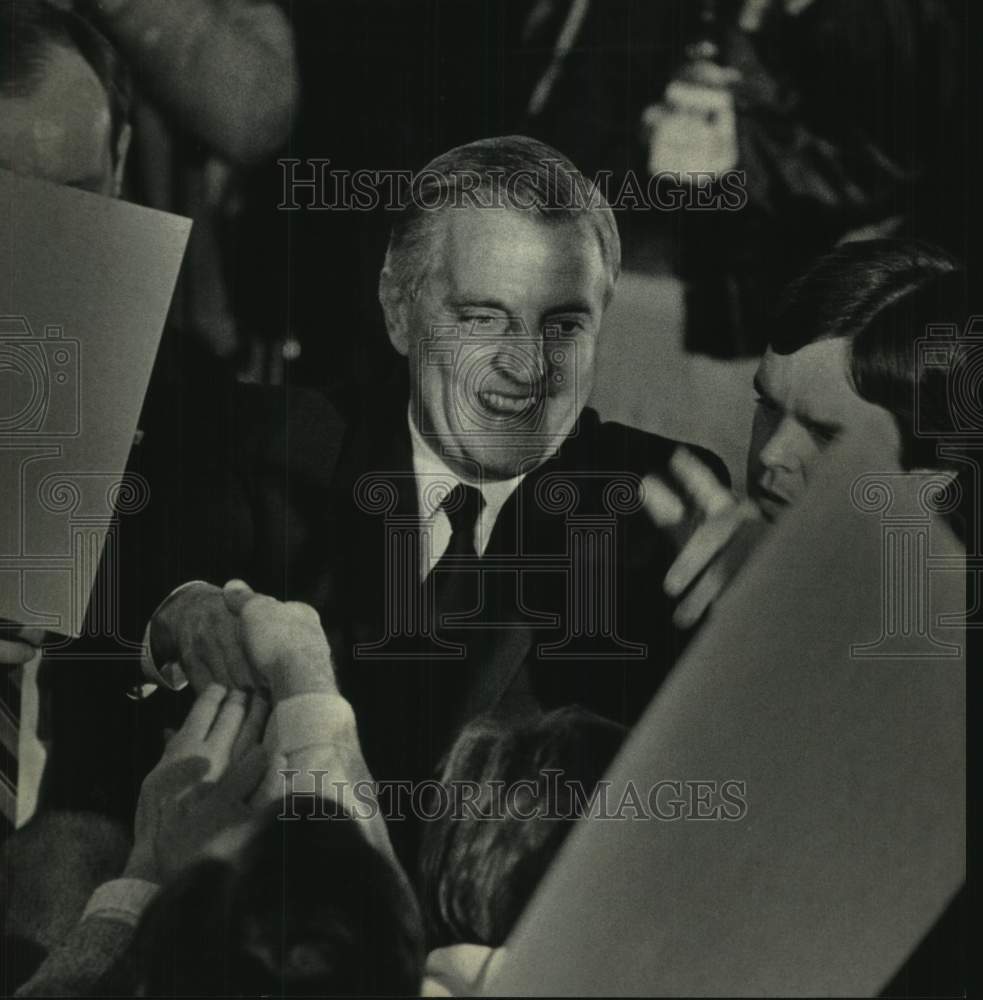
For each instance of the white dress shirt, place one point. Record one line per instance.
(432, 474)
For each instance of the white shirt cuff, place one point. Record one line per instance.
(123, 899)
(170, 675)
(306, 720)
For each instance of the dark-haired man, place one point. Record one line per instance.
(841, 359)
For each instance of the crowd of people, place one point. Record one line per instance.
(367, 609)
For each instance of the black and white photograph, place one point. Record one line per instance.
(490, 497)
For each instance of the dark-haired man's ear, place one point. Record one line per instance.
(395, 307)
(121, 152)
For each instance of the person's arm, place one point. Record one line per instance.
(226, 69)
(312, 725)
(206, 782)
(726, 531)
(95, 944)
(315, 733)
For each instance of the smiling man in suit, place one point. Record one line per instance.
(482, 544)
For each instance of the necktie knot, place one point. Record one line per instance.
(462, 506)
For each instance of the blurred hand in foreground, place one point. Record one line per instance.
(727, 529)
(214, 775)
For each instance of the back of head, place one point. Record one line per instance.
(30, 29)
(884, 296)
(526, 785)
(310, 908)
(912, 358)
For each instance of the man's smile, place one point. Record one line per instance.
(508, 402)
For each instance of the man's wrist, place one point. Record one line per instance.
(157, 659)
(293, 675)
(123, 899)
(160, 639)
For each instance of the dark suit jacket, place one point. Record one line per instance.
(572, 607)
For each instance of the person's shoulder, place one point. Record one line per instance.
(287, 425)
(642, 452)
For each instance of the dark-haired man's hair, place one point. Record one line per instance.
(845, 289)
(309, 908)
(31, 29)
(478, 874)
(884, 295)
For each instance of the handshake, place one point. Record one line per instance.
(236, 638)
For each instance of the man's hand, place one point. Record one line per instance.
(729, 528)
(284, 641)
(221, 726)
(19, 644)
(210, 778)
(195, 629)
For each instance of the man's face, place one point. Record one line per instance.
(63, 131)
(805, 401)
(501, 337)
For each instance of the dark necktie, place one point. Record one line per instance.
(465, 601)
(455, 577)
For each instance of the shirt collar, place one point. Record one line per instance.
(430, 467)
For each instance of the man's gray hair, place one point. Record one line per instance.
(510, 172)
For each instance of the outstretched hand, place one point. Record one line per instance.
(727, 531)
(214, 774)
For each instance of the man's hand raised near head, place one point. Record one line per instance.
(726, 532)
